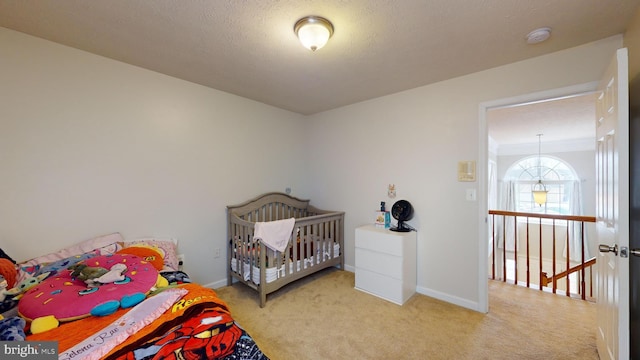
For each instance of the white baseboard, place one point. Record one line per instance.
(216, 284)
(419, 289)
(448, 298)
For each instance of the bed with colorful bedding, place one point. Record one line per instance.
(110, 299)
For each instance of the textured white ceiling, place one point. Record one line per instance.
(379, 47)
(570, 118)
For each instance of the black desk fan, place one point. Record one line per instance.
(402, 211)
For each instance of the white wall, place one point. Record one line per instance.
(414, 139)
(90, 146)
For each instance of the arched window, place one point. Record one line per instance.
(557, 176)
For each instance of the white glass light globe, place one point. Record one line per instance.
(313, 36)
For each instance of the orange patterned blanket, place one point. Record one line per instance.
(197, 325)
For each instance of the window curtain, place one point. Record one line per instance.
(575, 227)
(507, 203)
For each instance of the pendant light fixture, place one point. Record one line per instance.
(539, 190)
(313, 31)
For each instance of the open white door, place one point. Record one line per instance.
(612, 210)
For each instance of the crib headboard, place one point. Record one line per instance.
(272, 206)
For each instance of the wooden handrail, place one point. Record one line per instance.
(544, 216)
(546, 279)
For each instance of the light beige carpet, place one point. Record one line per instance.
(324, 317)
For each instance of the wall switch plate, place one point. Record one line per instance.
(471, 195)
(216, 253)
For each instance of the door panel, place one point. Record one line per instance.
(634, 215)
(612, 209)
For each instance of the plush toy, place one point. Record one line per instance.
(8, 272)
(23, 286)
(84, 272)
(95, 276)
(116, 273)
(81, 300)
(162, 282)
(44, 323)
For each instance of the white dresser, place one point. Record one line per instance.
(386, 263)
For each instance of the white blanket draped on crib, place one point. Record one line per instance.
(274, 234)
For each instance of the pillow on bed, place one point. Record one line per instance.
(146, 253)
(68, 298)
(168, 248)
(56, 266)
(104, 245)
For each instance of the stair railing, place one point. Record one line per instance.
(583, 267)
(565, 274)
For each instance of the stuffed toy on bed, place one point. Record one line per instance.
(84, 272)
(8, 269)
(26, 284)
(99, 287)
(9, 272)
(95, 276)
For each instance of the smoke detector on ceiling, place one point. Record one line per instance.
(538, 35)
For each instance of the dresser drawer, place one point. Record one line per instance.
(380, 240)
(380, 285)
(379, 263)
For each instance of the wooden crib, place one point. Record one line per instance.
(317, 242)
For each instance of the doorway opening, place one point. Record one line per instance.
(508, 129)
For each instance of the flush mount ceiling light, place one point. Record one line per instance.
(538, 35)
(313, 31)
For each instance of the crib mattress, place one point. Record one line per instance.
(275, 272)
